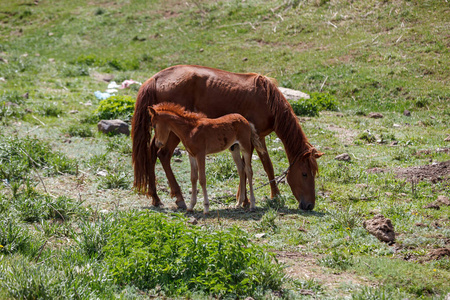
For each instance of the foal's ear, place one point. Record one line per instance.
(318, 154)
(151, 111)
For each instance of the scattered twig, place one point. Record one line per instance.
(398, 39)
(40, 250)
(38, 120)
(321, 87)
(331, 24)
(33, 129)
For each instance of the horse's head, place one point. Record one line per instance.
(161, 130)
(301, 177)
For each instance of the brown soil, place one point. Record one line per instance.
(304, 267)
(434, 172)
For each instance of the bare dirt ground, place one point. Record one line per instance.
(434, 172)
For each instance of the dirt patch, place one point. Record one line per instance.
(347, 136)
(434, 172)
(439, 253)
(304, 267)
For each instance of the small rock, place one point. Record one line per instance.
(50, 34)
(343, 157)
(339, 115)
(193, 221)
(389, 194)
(381, 228)
(361, 185)
(397, 125)
(177, 152)
(260, 235)
(374, 115)
(447, 139)
(2, 79)
(245, 59)
(394, 143)
(420, 225)
(406, 113)
(201, 50)
(51, 60)
(293, 94)
(178, 160)
(116, 126)
(443, 200)
(26, 95)
(432, 205)
(302, 229)
(102, 173)
(73, 112)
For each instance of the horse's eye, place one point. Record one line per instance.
(305, 174)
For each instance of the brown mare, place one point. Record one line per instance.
(217, 93)
(201, 136)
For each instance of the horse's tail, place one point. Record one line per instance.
(256, 142)
(141, 136)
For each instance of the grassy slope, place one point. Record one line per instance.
(383, 56)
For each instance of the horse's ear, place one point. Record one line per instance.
(151, 111)
(318, 154)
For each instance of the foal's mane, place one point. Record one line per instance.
(286, 124)
(179, 111)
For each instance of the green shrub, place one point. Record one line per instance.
(13, 236)
(18, 156)
(148, 249)
(312, 106)
(337, 259)
(116, 107)
(49, 110)
(80, 130)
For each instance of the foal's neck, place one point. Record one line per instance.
(180, 126)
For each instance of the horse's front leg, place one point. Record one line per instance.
(194, 179)
(165, 154)
(268, 167)
(241, 194)
(202, 178)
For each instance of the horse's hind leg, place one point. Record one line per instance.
(151, 175)
(165, 155)
(268, 167)
(241, 194)
(194, 179)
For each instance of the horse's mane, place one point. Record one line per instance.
(286, 124)
(179, 111)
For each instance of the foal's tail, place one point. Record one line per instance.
(141, 136)
(256, 142)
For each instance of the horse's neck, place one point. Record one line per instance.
(292, 136)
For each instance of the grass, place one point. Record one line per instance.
(65, 192)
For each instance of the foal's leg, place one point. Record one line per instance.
(165, 154)
(268, 167)
(202, 178)
(249, 173)
(241, 195)
(194, 178)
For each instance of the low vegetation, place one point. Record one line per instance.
(72, 227)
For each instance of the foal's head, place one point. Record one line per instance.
(163, 113)
(162, 130)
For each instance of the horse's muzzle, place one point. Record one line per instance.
(306, 206)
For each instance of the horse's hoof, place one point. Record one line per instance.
(252, 209)
(181, 205)
(158, 204)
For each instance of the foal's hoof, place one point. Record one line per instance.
(252, 209)
(181, 205)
